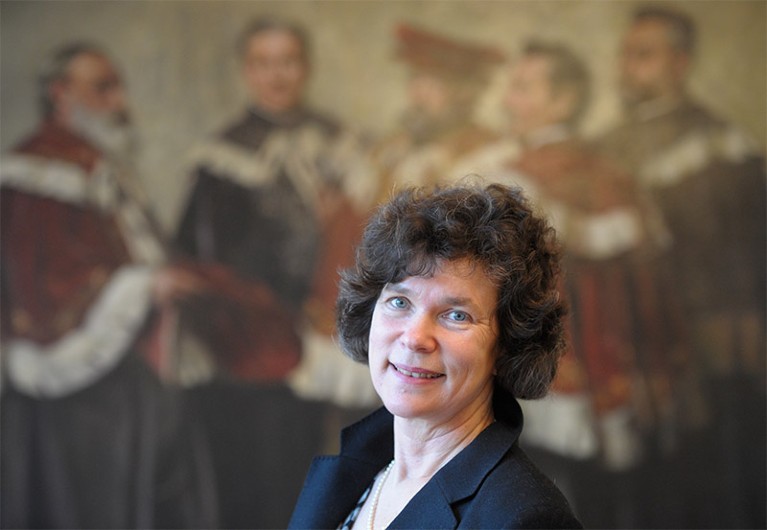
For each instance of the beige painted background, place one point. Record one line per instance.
(177, 57)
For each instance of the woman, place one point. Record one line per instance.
(453, 304)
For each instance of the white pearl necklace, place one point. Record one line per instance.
(377, 495)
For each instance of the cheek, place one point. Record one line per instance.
(525, 108)
(375, 338)
(377, 352)
(649, 70)
(482, 362)
(255, 79)
(514, 101)
(297, 76)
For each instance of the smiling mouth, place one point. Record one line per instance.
(417, 375)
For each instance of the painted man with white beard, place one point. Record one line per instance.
(90, 436)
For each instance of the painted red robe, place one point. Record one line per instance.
(50, 289)
(90, 436)
(624, 334)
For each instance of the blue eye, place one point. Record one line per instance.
(398, 302)
(458, 316)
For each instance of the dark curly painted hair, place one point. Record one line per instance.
(494, 227)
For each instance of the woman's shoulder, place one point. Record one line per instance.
(516, 494)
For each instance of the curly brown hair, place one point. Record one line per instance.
(494, 227)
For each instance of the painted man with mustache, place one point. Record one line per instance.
(707, 177)
(438, 138)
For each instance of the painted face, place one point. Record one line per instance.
(650, 66)
(92, 82)
(429, 93)
(432, 344)
(91, 99)
(529, 96)
(275, 70)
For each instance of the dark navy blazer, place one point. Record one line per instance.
(490, 484)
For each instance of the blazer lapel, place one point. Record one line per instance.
(334, 484)
(430, 508)
(331, 490)
(435, 505)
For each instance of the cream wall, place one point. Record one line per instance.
(182, 76)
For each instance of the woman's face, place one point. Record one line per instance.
(432, 344)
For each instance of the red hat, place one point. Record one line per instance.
(425, 50)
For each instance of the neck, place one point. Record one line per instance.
(422, 447)
(648, 110)
(546, 134)
(284, 117)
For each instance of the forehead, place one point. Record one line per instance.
(649, 31)
(421, 77)
(92, 67)
(463, 280)
(274, 41)
(532, 65)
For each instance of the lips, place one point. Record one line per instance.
(417, 373)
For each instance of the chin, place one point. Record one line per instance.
(279, 104)
(404, 412)
(407, 407)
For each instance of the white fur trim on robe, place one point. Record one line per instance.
(101, 189)
(88, 352)
(326, 374)
(305, 154)
(562, 424)
(694, 152)
(622, 443)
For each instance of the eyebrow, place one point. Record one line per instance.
(451, 300)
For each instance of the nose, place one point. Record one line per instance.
(418, 334)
